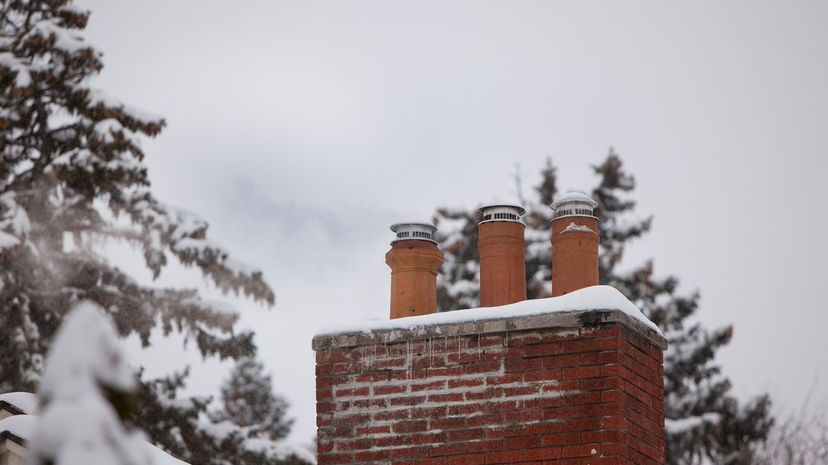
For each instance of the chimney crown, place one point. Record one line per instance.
(414, 230)
(501, 212)
(574, 203)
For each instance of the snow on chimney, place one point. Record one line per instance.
(501, 246)
(414, 260)
(575, 379)
(571, 380)
(574, 243)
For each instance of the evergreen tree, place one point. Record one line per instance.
(87, 397)
(248, 401)
(72, 176)
(705, 423)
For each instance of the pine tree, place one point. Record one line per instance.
(248, 401)
(87, 397)
(705, 423)
(72, 176)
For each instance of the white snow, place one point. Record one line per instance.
(574, 196)
(683, 424)
(23, 426)
(76, 423)
(106, 127)
(159, 457)
(98, 96)
(23, 78)
(19, 425)
(281, 449)
(25, 401)
(590, 298)
(8, 241)
(462, 287)
(85, 353)
(65, 39)
(573, 227)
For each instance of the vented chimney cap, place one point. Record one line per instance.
(574, 204)
(414, 231)
(501, 212)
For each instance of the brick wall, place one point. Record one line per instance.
(582, 388)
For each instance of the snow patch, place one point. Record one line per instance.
(25, 401)
(19, 425)
(590, 298)
(573, 227)
(76, 423)
(684, 424)
(85, 353)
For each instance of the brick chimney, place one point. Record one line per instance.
(501, 246)
(576, 379)
(414, 260)
(574, 243)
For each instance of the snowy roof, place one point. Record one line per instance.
(563, 310)
(22, 426)
(25, 402)
(574, 197)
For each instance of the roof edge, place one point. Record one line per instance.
(13, 409)
(575, 319)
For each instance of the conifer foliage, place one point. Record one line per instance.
(705, 423)
(72, 176)
(248, 401)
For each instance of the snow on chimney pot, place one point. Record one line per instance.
(501, 246)
(574, 243)
(414, 260)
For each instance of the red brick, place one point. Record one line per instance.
(581, 372)
(503, 379)
(335, 459)
(560, 361)
(466, 435)
(509, 456)
(445, 371)
(522, 365)
(546, 453)
(455, 397)
(373, 430)
(412, 426)
(545, 375)
(475, 459)
(358, 392)
(417, 407)
(383, 390)
(456, 383)
(489, 341)
(432, 386)
(357, 444)
(542, 350)
(482, 367)
(580, 450)
(412, 400)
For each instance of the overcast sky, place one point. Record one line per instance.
(301, 130)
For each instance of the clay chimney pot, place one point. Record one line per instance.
(502, 248)
(414, 260)
(575, 243)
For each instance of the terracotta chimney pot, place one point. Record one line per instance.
(414, 260)
(575, 243)
(502, 248)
